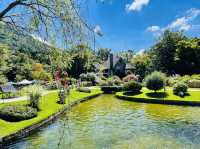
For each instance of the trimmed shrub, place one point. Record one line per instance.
(17, 113)
(84, 90)
(86, 84)
(133, 86)
(130, 77)
(155, 81)
(180, 89)
(62, 94)
(111, 89)
(194, 83)
(91, 77)
(114, 80)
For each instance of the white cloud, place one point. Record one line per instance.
(137, 5)
(141, 51)
(153, 28)
(184, 23)
(98, 30)
(36, 37)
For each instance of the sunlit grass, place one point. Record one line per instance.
(48, 106)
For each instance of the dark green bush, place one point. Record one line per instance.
(111, 89)
(155, 81)
(180, 89)
(17, 113)
(132, 86)
(112, 81)
(84, 89)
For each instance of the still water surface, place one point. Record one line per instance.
(108, 123)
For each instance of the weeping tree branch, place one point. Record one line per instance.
(59, 17)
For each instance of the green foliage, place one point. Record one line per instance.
(86, 84)
(141, 63)
(119, 68)
(51, 85)
(88, 77)
(133, 86)
(62, 94)
(35, 93)
(155, 81)
(3, 79)
(113, 81)
(41, 75)
(103, 54)
(188, 56)
(180, 89)
(84, 60)
(17, 113)
(164, 52)
(192, 81)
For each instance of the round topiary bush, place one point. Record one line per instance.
(180, 89)
(17, 113)
(155, 81)
(132, 86)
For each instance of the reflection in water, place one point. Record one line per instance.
(109, 123)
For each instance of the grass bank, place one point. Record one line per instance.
(192, 98)
(48, 105)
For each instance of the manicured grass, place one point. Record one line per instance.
(193, 95)
(48, 106)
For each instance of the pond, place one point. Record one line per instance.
(109, 123)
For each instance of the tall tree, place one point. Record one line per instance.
(188, 56)
(164, 51)
(103, 53)
(83, 60)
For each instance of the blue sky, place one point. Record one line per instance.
(136, 24)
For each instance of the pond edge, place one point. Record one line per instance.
(6, 140)
(158, 101)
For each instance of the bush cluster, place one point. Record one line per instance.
(192, 81)
(180, 89)
(155, 81)
(91, 77)
(111, 89)
(133, 86)
(17, 113)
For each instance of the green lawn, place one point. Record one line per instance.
(48, 107)
(193, 95)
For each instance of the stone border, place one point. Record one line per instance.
(159, 101)
(31, 129)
